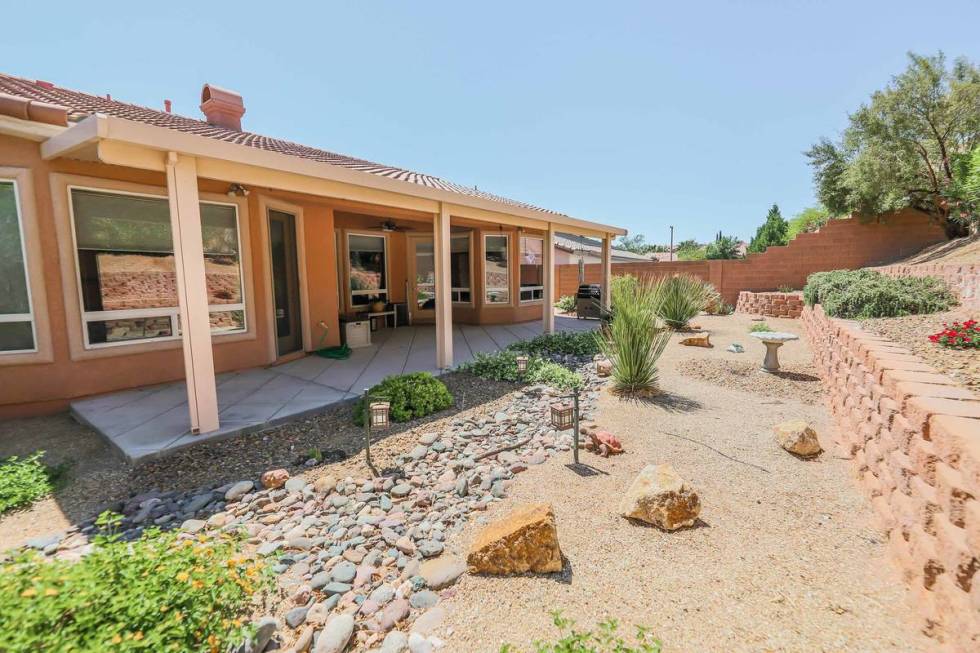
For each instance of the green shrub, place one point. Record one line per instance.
(502, 366)
(604, 640)
(158, 593)
(411, 395)
(682, 298)
(867, 294)
(632, 340)
(565, 303)
(25, 480)
(759, 327)
(578, 343)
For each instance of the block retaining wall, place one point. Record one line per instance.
(914, 439)
(964, 280)
(770, 304)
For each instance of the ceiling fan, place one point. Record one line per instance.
(389, 225)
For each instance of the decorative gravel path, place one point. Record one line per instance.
(345, 542)
(913, 331)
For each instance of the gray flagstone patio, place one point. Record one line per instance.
(148, 422)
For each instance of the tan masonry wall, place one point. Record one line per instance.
(840, 244)
(914, 440)
(964, 280)
(770, 304)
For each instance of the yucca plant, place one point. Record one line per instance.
(683, 298)
(633, 338)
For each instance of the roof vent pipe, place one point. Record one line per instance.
(222, 108)
(167, 106)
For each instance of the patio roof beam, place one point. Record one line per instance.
(192, 294)
(444, 309)
(548, 305)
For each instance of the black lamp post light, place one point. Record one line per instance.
(376, 418)
(564, 416)
(522, 362)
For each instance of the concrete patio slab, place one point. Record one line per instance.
(146, 423)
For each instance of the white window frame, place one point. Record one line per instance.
(486, 288)
(537, 292)
(172, 312)
(456, 293)
(29, 316)
(380, 291)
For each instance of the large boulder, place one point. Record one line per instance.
(335, 635)
(525, 540)
(798, 437)
(661, 497)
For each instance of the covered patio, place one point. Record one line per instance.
(145, 423)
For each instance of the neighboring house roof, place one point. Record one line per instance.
(574, 243)
(81, 105)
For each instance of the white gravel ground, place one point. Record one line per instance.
(786, 557)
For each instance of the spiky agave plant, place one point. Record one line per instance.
(633, 339)
(683, 298)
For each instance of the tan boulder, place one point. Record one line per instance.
(274, 478)
(699, 340)
(603, 367)
(798, 437)
(661, 497)
(324, 484)
(525, 540)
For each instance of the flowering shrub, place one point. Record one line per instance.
(159, 593)
(959, 335)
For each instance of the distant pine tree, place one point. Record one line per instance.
(774, 231)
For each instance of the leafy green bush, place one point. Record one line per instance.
(159, 593)
(632, 340)
(578, 343)
(565, 303)
(604, 640)
(867, 293)
(759, 327)
(25, 480)
(411, 395)
(682, 298)
(502, 366)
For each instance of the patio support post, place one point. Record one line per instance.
(606, 270)
(192, 294)
(444, 307)
(548, 309)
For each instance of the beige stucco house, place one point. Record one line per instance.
(140, 246)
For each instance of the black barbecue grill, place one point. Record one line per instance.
(588, 301)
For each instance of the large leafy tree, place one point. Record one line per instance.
(637, 244)
(910, 146)
(772, 232)
(807, 220)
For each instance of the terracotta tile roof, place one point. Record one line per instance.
(82, 104)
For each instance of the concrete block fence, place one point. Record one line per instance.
(963, 279)
(839, 244)
(770, 304)
(914, 439)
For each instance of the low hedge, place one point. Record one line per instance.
(865, 294)
(576, 343)
(159, 593)
(411, 396)
(502, 366)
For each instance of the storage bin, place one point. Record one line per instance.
(357, 333)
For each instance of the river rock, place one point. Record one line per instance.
(525, 540)
(335, 635)
(798, 437)
(274, 478)
(238, 490)
(661, 497)
(441, 572)
(395, 642)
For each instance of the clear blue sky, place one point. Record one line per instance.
(638, 114)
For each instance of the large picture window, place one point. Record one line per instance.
(16, 315)
(496, 269)
(368, 256)
(459, 269)
(127, 273)
(532, 269)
